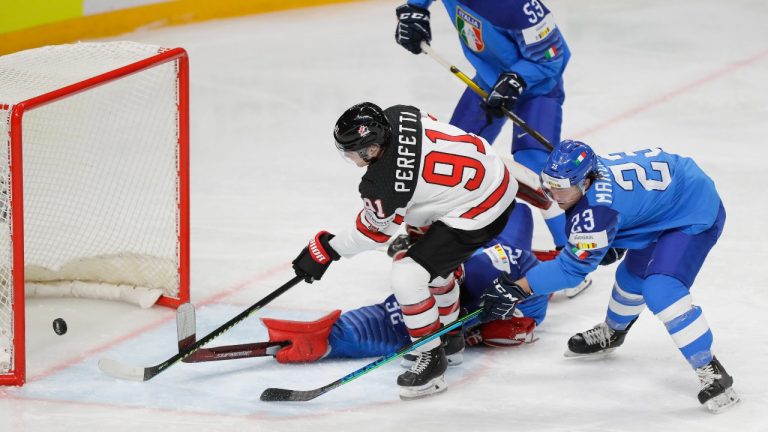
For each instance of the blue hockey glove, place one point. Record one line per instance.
(500, 299)
(504, 94)
(412, 27)
(315, 259)
(613, 255)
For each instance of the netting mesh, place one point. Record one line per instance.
(99, 172)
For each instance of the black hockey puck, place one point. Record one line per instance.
(59, 326)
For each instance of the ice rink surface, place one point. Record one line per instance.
(689, 76)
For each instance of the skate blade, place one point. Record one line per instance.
(435, 386)
(578, 289)
(600, 354)
(455, 359)
(723, 401)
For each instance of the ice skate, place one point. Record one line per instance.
(600, 339)
(717, 392)
(578, 289)
(426, 377)
(453, 343)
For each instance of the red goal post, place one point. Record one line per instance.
(94, 180)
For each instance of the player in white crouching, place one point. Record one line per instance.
(421, 172)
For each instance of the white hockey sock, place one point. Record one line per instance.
(420, 310)
(446, 293)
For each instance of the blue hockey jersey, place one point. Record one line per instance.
(509, 36)
(636, 198)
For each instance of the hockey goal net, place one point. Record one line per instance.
(93, 180)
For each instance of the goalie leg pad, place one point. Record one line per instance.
(309, 340)
(511, 332)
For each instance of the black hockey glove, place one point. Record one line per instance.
(399, 245)
(613, 255)
(315, 259)
(412, 27)
(500, 299)
(504, 94)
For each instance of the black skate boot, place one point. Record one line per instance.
(600, 339)
(717, 392)
(426, 376)
(453, 343)
(454, 347)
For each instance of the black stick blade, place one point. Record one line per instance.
(285, 395)
(276, 395)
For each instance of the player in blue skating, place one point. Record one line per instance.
(666, 212)
(519, 55)
(379, 330)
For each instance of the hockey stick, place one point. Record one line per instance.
(138, 373)
(473, 85)
(186, 328)
(279, 395)
(233, 352)
(528, 184)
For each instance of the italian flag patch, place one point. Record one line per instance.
(580, 254)
(580, 158)
(550, 53)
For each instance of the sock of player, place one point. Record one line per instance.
(446, 293)
(623, 308)
(627, 301)
(684, 321)
(410, 285)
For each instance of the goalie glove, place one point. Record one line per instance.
(500, 299)
(308, 339)
(503, 333)
(315, 259)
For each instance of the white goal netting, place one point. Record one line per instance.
(100, 175)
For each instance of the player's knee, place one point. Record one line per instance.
(409, 281)
(628, 281)
(665, 293)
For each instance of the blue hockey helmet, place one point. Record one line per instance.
(569, 164)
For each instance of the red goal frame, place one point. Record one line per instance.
(17, 374)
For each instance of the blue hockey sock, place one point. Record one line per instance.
(670, 300)
(623, 308)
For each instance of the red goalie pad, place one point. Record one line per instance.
(514, 331)
(309, 340)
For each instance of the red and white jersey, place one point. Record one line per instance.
(430, 171)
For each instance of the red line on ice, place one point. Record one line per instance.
(686, 88)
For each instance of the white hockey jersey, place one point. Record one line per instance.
(430, 171)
